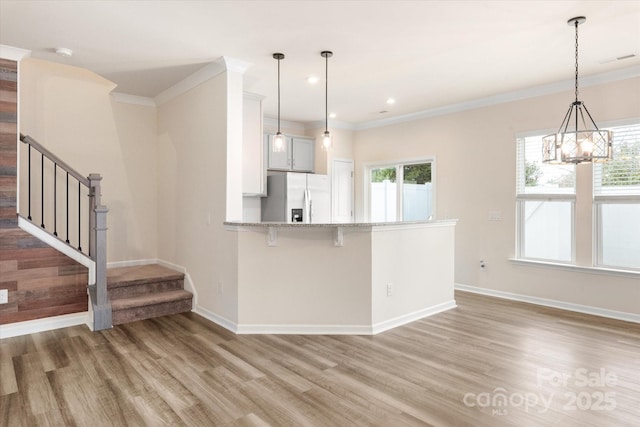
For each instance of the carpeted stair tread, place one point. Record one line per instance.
(140, 274)
(150, 299)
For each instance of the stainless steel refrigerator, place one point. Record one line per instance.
(297, 197)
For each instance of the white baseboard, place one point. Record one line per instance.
(274, 329)
(218, 320)
(59, 245)
(189, 286)
(42, 325)
(305, 329)
(586, 309)
(132, 263)
(412, 317)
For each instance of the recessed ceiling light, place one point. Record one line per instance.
(63, 51)
(332, 115)
(391, 101)
(312, 80)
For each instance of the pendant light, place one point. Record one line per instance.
(326, 136)
(278, 142)
(573, 146)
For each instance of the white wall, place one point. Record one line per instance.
(71, 112)
(475, 154)
(199, 154)
(305, 280)
(342, 148)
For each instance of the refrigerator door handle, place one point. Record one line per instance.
(307, 206)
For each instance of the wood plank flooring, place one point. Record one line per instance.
(489, 362)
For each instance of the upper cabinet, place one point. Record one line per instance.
(254, 177)
(298, 156)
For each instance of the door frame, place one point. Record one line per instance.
(334, 193)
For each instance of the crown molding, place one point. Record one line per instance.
(273, 122)
(253, 96)
(125, 98)
(13, 53)
(333, 124)
(236, 65)
(207, 72)
(593, 80)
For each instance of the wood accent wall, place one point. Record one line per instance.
(41, 281)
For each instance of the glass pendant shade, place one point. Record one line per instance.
(279, 143)
(326, 141)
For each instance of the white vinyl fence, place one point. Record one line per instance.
(416, 201)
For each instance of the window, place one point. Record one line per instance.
(545, 205)
(616, 190)
(401, 192)
(547, 196)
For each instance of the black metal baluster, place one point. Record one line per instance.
(67, 207)
(79, 246)
(55, 199)
(42, 190)
(29, 201)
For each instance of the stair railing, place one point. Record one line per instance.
(51, 168)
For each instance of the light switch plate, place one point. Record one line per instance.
(4, 296)
(495, 215)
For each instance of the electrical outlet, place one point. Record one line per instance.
(220, 287)
(389, 289)
(483, 265)
(4, 296)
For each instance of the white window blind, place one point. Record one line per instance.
(621, 175)
(535, 177)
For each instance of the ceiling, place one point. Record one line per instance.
(424, 54)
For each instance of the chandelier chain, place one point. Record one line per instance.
(576, 25)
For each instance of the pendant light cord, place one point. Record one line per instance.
(326, 93)
(279, 95)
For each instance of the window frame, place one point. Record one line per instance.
(522, 196)
(582, 195)
(398, 165)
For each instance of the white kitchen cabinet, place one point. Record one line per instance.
(302, 154)
(254, 175)
(298, 156)
(280, 160)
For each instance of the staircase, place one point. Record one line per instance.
(64, 210)
(146, 291)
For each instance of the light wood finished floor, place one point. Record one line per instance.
(475, 365)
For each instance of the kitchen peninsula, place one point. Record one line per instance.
(351, 278)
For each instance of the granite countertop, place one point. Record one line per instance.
(334, 225)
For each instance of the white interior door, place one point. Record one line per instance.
(342, 191)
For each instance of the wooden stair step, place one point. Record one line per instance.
(151, 305)
(150, 299)
(140, 274)
(146, 291)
